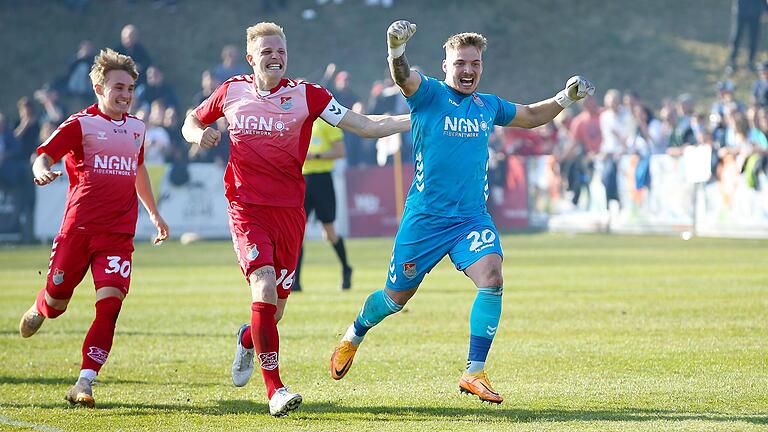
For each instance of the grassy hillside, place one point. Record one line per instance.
(656, 47)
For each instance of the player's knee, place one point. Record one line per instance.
(110, 291)
(495, 278)
(264, 292)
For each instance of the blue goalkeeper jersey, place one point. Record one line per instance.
(450, 148)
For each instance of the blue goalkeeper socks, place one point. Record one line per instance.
(377, 306)
(483, 323)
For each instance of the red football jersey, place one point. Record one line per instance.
(102, 156)
(269, 135)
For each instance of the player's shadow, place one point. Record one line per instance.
(416, 414)
(57, 380)
(79, 333)
(318, 411)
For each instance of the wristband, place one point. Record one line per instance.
(396, 52)
(563, 99)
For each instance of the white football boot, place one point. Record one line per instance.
(242, 366)
(283, 402)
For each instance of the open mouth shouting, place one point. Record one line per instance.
(467, 82)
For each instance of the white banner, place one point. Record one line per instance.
(728, 207)
(197, 208)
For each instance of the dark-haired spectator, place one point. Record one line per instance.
(725, 96)
(760, 88)
(27, 132)
(11, 169)
(130, 46)
(27, 127)
(207, 86)
(641, 143)
(745, 18)
(78, 82)
(682, 135)
(156, 88)
(53, 110)
(231, 64)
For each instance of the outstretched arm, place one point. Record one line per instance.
(374, 126)
(398, 34)
(539, 113)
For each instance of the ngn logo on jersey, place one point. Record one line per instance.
(463, 127)
(253, 125)
(116, 165)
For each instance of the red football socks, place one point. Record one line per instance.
(43, 308)
(98, 341)
(266, 343)
(246, 339)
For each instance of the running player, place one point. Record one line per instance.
(103, 150)
(445, 210)
(270, 121)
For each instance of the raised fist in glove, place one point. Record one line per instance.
(398, 34)
(577, 88)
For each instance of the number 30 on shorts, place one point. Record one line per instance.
(481, 240)
(115, 266)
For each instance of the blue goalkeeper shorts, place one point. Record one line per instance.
(423, 240)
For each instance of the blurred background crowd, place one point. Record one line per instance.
(586, 139)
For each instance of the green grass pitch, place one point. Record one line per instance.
(598, 333)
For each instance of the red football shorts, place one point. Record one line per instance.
(108, 255)
(268, 236)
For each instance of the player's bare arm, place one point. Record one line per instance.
(41, 169)
(196, 132)
(539, 113)
(337, 152)
(144, 192)
(374, 126)
(398, 34)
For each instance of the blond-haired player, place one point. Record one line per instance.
(102, 147)
(270, 122)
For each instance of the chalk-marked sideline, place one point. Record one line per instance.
(12, 422)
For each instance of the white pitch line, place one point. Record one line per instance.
(12, 422)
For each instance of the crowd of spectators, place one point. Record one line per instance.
(590, 135)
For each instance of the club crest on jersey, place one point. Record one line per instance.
(58, 277)
(286, 102)
(477, 100)
(409, 270)
(137, 139)
(253, 253)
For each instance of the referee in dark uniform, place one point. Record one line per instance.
(326, 145)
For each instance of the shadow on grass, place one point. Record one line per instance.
(81, 333)
(325, 411)
(69, 380)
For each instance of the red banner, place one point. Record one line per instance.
(371, 200)
(372, 209)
